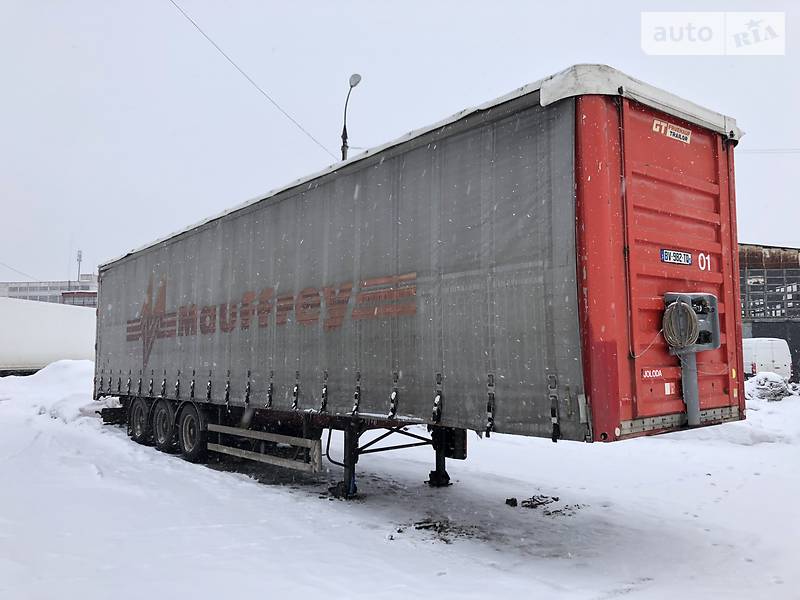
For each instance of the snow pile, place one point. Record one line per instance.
(86, 513)
(769, 386)
(62, 390)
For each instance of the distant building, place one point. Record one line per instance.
(769, 278)
(79, 298)
(49, 291)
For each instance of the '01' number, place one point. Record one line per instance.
(704, 261)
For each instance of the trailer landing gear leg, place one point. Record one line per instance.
(439, 477)
(347, 489)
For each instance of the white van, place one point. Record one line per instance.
(767, 354)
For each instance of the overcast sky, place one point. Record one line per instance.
(120, 123)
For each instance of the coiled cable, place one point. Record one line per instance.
(681, 325)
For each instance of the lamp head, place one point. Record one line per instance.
(355, 78)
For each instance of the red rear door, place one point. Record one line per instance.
(656, 214)
(681, 237)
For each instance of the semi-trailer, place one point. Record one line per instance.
(560, 262)
(34, 334)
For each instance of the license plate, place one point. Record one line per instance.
(676, 257)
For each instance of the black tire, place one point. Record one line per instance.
(192, 434)
(139, 423)
(164, 433)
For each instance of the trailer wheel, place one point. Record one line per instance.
(191, 434)
(164, 425)
(139, 421)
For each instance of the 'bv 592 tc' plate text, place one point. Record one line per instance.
(676, 256)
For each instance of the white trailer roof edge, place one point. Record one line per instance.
(577, 80)
(604, 80)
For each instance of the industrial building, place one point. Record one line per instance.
(59, 292)
(769, 277)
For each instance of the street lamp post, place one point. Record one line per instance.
(355, 78)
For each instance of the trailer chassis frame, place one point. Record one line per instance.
(353, 428)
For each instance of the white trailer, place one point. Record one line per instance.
(34, 334)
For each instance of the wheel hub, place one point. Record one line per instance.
(189, 432)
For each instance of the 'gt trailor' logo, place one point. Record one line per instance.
(672, 131)
(376, 298)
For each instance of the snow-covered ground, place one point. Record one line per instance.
(86, 513)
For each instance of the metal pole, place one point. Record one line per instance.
(344, 125)
(439, 477)
(348, 488)
(691, 394)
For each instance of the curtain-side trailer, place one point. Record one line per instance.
(560, 262)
